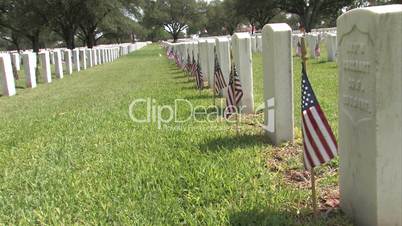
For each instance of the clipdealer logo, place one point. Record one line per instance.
(147, 110)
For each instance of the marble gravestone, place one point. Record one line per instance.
(330, 42)
(210, 62)
(29, 67)
(83, 58)
(370, 114)
(223, 54)
(76, 58)
(45, 61)
(6, 75)
(58, 64)
(278, 82)
(16, 60)
(69, 61)
(242, 57)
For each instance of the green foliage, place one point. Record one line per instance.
(311, 13)
(172, 15)
(257, 12)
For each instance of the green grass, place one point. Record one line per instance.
(69, 153)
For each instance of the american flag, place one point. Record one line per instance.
(319, 142)
(170, 54)
(194, 67)
(235, 93)
(317, 49)
(199, 77)
(220, 82)
(177, 59)
(188, 65)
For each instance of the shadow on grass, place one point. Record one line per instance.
(268, 217)
(233, 142)
(198, 97)
(320, 62)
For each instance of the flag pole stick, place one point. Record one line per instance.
(312, 173)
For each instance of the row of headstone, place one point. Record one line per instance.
(369, 47)
(313, 42)
(236, 49)
(65, 62)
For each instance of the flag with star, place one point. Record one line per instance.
(319, 142)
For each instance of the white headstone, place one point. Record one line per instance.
(83, 58)
(312, 40)
(370, 114)
(278, 82)
(76, 59)
(52, 60)
(29, 67)
(242, 57)
(253, 44)
(46, 71)
(6, 75)
(223, 53)
(69, 61)
(16, 60)
(90, 58)
(259, 43)
(331, 44)
(203, 58)
(94, 57)
(58, 64)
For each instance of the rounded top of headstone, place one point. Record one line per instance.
(277, 27)
(396, 8)
(222, 39)
(242, 35)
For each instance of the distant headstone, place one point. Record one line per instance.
(69, 61)
(370, 114)
(242, 57)
(223, 54)
(253, 44)
(203, 58)
(83, 58)
(52, 60)
(29, 67)
(16, 60)
(94, 57)
(278, 82)
(45, 61)
(90, 58)
(312, 40)
(58, 64)
(259, 43)
(331, 44)
(6, 75)
(76, 59)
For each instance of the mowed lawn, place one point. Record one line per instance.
(70, 154)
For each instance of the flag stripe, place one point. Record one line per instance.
(318, 137)
(327, 126)
(325, 133)
(306, 155)
(308, 149)
(314, 150)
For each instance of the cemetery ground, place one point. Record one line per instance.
(69, 153)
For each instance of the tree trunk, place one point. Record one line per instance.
(68, 35)
(35, 43)
(91, 39)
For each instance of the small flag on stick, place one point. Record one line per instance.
(319, 142)
(219, 80)
(199, 77)
(235, 93)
